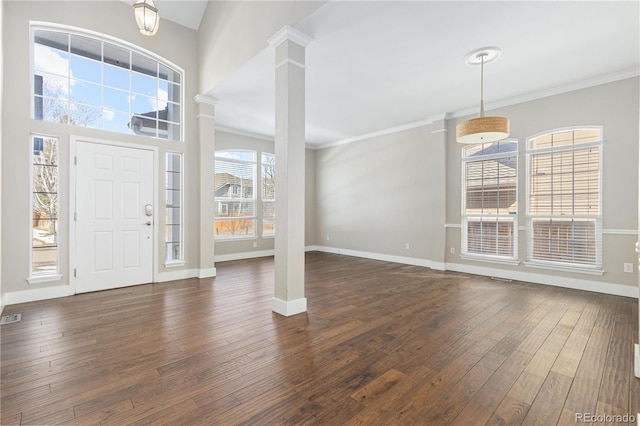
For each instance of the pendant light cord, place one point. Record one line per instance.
(482, 56)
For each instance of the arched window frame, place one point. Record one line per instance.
(167, 123)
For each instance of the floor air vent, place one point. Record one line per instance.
(8, 319)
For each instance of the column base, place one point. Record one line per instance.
(290, 307)
(206, 273)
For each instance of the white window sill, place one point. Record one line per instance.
(39, 279)
(174, 263)
(490, 259)
(247, 238)
(573, 269)
(268, 237)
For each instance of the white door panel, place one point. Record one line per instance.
(114, 236)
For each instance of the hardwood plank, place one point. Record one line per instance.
(547, 406)
(377, 387)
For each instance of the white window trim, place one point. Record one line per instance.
(597, 269)
(464, 254)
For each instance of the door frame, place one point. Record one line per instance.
(73, 141)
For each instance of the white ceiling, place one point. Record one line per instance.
(379, 65)
(187, 13)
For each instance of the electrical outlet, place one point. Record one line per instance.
(255, 244)
(452, 250)
(407, 246)
(327, 238)
(628, 267)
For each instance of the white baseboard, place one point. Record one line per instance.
(1, 304)
(552, 280)
(180, 274)
(245, 255)
(376, 256)
(33, 295)
(575, 283)
(206, 273)
(637, 362)
(290, 307)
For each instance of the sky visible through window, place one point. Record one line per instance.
(87, 82)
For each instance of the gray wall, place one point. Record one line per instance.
(375, 195)
(173, 42)
(226, 249)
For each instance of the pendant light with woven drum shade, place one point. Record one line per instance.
(482, 129)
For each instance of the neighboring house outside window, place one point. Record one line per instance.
(84, 80)
(564, 215)
(489, 201)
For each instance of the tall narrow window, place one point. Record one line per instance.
(489, 200)
(564, 218)
(173, 231)
(235, 198)
(268, 194)
(83, 80)
(44, 206)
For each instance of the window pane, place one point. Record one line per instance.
(85, 69)
(116, 121)
(144, 84)
(45, 205)
(86, 46)
(117, 56)
(173, 220)
(116, 77)
(168, 74)
(116, 99)
(234, 227)
(86, 93)
(143, 64)
(268, 217)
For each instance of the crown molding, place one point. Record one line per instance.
(583, 84)
(289, 33)
(203, 99)
(245, 133)
(427, 122)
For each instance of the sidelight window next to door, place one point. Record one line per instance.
(44, 207)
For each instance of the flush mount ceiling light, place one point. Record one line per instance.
(147, 17)
(482, 129)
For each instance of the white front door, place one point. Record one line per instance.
(114, 216)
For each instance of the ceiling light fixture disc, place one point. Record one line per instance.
(490, 54)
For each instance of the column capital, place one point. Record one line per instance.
(289, 33)
(203, 99)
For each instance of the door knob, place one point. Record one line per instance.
(148, 223)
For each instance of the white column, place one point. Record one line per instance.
(206, 153)
(289, 47)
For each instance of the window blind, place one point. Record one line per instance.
(564, 222)
(490, 178)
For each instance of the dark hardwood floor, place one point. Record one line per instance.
(381, 343)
